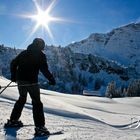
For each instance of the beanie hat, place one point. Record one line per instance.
(39, 43)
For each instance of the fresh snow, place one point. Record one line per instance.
(79, 117)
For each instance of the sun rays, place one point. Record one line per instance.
(43, 19)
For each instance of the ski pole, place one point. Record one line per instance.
(18, 85)
(5, 87)
(8, 86)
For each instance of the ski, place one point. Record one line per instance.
(47, 136)
(10, 130)
(135, 125)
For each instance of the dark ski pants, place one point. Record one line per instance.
(34, 92)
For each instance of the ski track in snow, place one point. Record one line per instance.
(79, 117)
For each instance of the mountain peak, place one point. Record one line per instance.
(121, 44)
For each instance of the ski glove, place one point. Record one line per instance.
(13, 79)
(52, 81)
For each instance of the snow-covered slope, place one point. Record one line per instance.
(121, 44)
(80, 117)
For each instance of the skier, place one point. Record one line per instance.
(24, 70)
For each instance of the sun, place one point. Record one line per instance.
(43, 18)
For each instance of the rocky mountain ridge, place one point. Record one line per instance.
(121, 45)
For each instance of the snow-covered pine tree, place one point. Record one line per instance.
(110, 90)
(134, 88)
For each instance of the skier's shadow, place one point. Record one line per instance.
(40, 138)
(11, 133)
(46, 137)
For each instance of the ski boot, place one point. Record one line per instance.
(41, 131)
(13, 123)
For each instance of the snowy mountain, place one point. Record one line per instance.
(73, 72)
(78, 117)
(91, 63)
(121, 45)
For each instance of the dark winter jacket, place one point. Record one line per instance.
(26, 66)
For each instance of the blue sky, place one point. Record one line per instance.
(83, 18)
